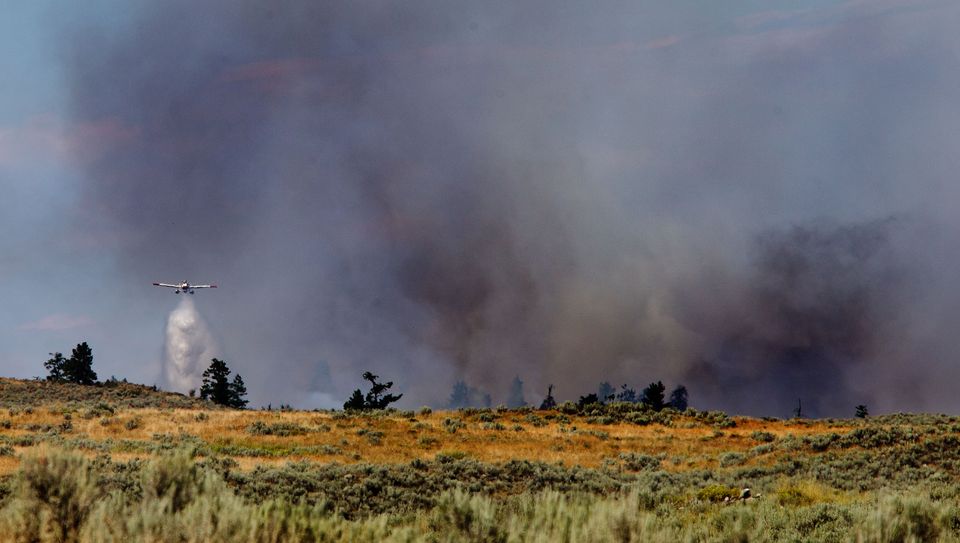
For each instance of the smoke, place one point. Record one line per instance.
(569, 194)
(189, 347)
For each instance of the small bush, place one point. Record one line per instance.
(452, 425)
(428, 441)
(535, 420)
(281, 429)
(793, 496)
(639, 462)
(374, 437)
(446, 457)
(133, 424)
(728, 459)
(717, 493)
(763, 437)
(639, 418)
(603, 419)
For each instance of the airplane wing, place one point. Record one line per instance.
(203, 286)
(165, 285)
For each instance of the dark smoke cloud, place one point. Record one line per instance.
(564, 192)
(812, 320)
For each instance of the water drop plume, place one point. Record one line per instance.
(188, 348)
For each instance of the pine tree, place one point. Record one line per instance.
(459, 396)
(55, 367)
(377, 397)
(678, 398)
(216, 384)
(515, 399)
(464, 395)
(549, 402)
(588, 399)
(861, 412)
(237, 392)
(355, 402)
(606, 392)
(79, 367)
(627, 394)
(653, 395)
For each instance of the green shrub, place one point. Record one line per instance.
(428, 441)
(639, 418)
(133, 424)
(717, 493)
(281, 429)
(452, 425)
(639, 462)
(486, 416)
(763, 437)
(52, 496)
(535, 420)
(732, 459)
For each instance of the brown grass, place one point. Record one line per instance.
(693, 444)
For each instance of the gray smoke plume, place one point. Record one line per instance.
(571, 193)
(188, 349)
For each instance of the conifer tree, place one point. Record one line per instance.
(653, 395)
(459, 396)
(79, 367)
(516, 399)
(355, 402)
(678, 398)
(549, 402)
(55, 366)
(627, 394)
(217, 387)
(606, 392)
(377, 398)
(237, 392)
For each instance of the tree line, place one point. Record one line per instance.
(216, 387)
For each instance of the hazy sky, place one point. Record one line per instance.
(755, 199)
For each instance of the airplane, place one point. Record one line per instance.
(183, 286)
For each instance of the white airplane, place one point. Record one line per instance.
(183, 287)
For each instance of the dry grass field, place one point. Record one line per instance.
(125, 462)
(270, 437)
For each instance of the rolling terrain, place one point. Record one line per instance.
(595, 473)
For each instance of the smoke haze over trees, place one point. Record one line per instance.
(755, 204)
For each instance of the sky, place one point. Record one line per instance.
(754, 199)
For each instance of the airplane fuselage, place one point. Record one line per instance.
(184, 287)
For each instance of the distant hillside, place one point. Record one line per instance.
(27, 393)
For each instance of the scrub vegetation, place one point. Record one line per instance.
(153, 467)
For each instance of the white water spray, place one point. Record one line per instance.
(189, 347)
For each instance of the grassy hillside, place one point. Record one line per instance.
(17, 393)
(615, 472)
